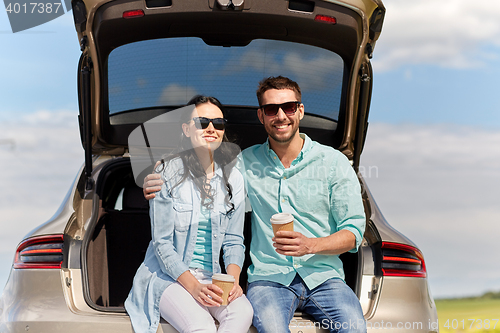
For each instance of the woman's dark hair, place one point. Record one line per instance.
(224, 155)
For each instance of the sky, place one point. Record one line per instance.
(431, 158)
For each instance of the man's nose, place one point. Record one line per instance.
(281, 115)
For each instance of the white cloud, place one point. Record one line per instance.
(35, 174)
(438, 185)
(313, 68)
(176, 94)
(447, 33)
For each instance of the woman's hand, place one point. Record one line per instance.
(207, 294)
(235, 292)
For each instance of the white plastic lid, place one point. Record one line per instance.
(223, 277)
(281, 218)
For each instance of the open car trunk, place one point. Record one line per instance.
(143, 59)
(121, 233)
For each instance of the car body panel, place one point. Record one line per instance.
(416, 311)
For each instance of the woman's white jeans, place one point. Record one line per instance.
(185, 314)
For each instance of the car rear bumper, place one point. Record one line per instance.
(50, 300)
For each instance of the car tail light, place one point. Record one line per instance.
(133, 13)
(40, 252)
(402, 260)
(325, 19)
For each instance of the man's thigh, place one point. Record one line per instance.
(273, 304)
(335, 306)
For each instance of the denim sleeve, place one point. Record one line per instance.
(162, 233)
(232, 245)
(346, 204)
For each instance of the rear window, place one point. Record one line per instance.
(168, 72)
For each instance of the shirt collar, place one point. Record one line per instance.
(218, 169)
(305, 148)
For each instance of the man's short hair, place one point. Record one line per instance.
(278, 82)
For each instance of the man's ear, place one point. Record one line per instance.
(185, 129)
(301, 111)
(260, 114)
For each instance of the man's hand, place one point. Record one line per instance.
(292, 243)
(152, 184)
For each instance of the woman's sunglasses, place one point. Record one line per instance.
(272, 109)
(202, 123)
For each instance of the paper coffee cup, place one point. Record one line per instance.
(282, 222)
(225, 282)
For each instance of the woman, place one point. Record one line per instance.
(199, 209)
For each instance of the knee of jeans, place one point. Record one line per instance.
(269, 319)
(270, 326)
(351, 324)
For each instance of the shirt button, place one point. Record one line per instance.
(283, 200)
(295, 265)
(215, 261)
(215, 236)
(284, 177)
(274, 157)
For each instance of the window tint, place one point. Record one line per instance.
(166, 72)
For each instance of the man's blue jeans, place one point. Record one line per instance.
(333, 305)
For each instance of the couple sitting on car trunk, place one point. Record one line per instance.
(199, 209)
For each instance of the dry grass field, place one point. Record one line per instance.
(478, 315)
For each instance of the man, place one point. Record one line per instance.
(300, 269)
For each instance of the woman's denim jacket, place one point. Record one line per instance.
(174, 214)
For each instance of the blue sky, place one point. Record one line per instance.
(433, 137)
(457, 84)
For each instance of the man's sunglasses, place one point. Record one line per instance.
(272, 109)
(202, 123)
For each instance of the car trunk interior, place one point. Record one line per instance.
(121, 233)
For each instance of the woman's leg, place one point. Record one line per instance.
(183, 312)
(235, 317)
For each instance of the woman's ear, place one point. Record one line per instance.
(185, 129)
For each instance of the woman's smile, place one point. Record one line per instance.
(209, 137)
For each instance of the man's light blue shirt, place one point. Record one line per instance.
(320, 190)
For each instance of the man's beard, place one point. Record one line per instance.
(283, 140)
